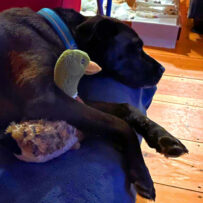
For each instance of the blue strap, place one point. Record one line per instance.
(60, 27)
(108, 9)
(100, 7)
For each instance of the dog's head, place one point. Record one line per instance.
(118, 50)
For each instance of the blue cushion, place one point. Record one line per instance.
(94, 174)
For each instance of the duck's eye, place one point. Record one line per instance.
(83, 61)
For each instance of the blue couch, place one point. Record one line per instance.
(94, 174)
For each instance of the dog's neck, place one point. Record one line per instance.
(71, 18)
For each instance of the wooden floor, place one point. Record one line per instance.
(178, 106)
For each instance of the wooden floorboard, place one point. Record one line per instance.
(183, 66)
(181, 87)
(178, 106)
(167, 194)
(184, 172)
(182, 121)
(188, 48)
(178, 100)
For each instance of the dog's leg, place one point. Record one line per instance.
(92, 121)
(8, 112)
(155, 135)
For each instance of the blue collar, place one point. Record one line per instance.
(59, 26)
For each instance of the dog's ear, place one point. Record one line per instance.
(98, 28)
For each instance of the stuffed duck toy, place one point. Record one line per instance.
(41, 140)
(69, 69)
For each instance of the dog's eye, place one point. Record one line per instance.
(139, 48)
(82, 61)
(140, 44)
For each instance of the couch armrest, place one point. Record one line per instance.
(75, 4)
(38, 4)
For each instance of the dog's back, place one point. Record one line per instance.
(27, 57)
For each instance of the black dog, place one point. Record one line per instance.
(29, 48)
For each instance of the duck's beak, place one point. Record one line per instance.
(92, 68)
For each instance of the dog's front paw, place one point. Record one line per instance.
(171, 147)
(165, 143)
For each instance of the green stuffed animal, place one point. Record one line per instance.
(70, 67)
(42, 140)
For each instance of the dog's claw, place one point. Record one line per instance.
(145, 192)
(166, 144)
(143, 184)
(171, 147)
